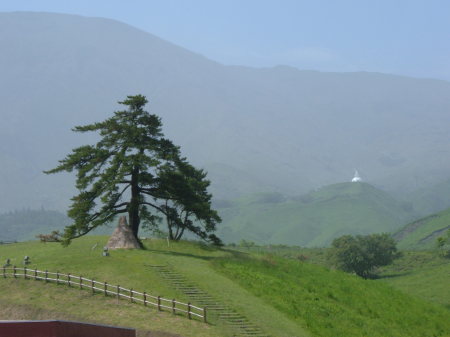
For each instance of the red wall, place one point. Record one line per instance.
(60, 329)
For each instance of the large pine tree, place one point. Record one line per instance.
(133, 169)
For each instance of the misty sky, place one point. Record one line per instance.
(407, 37)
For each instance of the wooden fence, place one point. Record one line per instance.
(107, 289)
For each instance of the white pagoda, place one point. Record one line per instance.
(356, 177)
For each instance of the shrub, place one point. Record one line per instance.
(443, 244)
(362, 254)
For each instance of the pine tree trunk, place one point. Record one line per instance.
(169, 226)
(133, 210)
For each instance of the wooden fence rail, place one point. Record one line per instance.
(107, 289)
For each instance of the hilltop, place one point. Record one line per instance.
(313, 219)
(283, 297)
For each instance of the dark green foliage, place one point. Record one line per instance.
(361, 254)
(133, 169)
(246, 244)
(183, 197)
(54, 236)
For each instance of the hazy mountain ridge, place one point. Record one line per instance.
(290, 130)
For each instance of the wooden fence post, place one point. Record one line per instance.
(145, 298)
(4, 272)
(25, 273)
(68, 279)
(92, 286)
(57, 277)
(105, 287)
(131, 295)
(14, 271)
(204, 314)
(173, 306)
(46, 275)
(189, 310)
(81, 282)
(35, 274)
(159, 303)
(118, 292)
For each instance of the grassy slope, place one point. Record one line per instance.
(332, 303)
(422, 234)
(21, 299)
(283, 297)
(132, 269)
(124, 267)
(314, 219)
(422, 274)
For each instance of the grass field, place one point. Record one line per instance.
(421, 273)
(331, 303)
(284, 297)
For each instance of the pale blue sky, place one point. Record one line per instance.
(407, 37)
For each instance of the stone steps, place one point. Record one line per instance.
(241, 326)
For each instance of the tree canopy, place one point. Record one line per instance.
(133, 169)
(361, 254)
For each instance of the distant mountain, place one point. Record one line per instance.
(422, 234)
(430, 199)
(313, 219)
(26, 224)
(255, 130)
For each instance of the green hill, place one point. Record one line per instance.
(422, 234)
(313, 219)
(283, 297)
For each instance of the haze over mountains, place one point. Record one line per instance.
(255, 130)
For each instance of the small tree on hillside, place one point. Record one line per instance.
(362, 254)
(443, 244)
(133, 169)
